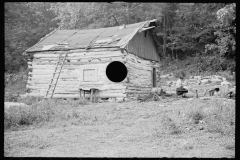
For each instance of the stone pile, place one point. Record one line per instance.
(202, 84)
(199, 80)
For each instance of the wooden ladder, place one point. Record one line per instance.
(54, 73)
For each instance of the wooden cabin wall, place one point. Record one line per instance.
(43, 65)
(143, 46)
(140, 75)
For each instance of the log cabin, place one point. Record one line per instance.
(87, 55)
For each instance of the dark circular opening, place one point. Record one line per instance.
(116, 71)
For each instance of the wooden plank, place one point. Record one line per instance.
(139, 92)
(77, 63)
(100, 95)
(74, 87)
(55, 57)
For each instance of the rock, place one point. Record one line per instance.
(201, 128)
(201, 122)
(158, 91)
(111, 99)
(119, 99)
(190, 99)
(232, 89)
(197, 77)
(161, 105)
(205, 81)
(169, 83)
(164, 76)
(226, 83)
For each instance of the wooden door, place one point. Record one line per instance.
(154, 78)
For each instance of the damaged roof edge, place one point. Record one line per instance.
(24, 53)
(71, 49)
(146, 24)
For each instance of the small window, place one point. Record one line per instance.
(89, 75)
(145, 34)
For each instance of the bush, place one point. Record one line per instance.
(29, 100)
(201, 65)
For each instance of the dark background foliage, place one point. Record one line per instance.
(206, 31)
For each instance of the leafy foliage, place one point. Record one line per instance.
(184, 29)
(25, 24)
(226, 34)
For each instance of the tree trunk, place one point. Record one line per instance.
(171, 42)
(164, 37)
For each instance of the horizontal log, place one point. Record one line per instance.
(138, 92)
(139, 64)
(79, 62)
(76, 62)
(129, 85)
(51, 73)
(136, 59)
(140, 75)
(80, 54)
(70, 88)
(48, 78)
(142, 84)
(70, 67)
(76, 91)
(102, 95)
(79, 57)
(73, 88)
(136, 63)
(142, 89)
(60, 83)
(76, 51)
(138, 67)
(70, 83)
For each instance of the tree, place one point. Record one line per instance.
(225, 43)
(25, 24)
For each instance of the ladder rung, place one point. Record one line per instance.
(59, 65)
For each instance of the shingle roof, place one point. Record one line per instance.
(101, 37)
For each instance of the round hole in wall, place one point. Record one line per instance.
(116, 71)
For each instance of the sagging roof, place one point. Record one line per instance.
(118, 36)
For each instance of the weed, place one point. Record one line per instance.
(29, 100)
(196, 116)
(188, 147)
(170, 126)
(218, 115)
(230, 147)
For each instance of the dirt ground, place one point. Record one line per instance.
(127, 129)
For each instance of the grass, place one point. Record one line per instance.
(118, 125)
(43, 111)
(218, 115)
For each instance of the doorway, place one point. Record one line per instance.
(154, 81)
